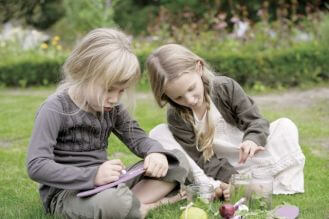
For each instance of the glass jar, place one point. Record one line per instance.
(261, 189)
(239, 186)
(205, 192)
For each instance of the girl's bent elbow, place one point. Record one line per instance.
(33, 170)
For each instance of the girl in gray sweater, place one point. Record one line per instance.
(68, 147)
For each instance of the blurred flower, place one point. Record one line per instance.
(59, 47)
(44, 46)
(220, 25)
(235, 19)
(54, 43)
(222, 16)
(56, 38)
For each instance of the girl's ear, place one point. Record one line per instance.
(199, 67)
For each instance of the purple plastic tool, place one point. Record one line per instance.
(136, 170)
(287, 211)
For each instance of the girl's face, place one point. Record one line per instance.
(186, 90)
(111, 97)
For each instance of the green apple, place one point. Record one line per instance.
(194, 213)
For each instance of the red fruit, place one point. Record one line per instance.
(227, 211)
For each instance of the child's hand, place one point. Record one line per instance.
(108, 172)
(223, 190)
(156, 165)
(248, 149)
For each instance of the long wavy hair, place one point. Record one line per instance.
(169, 62)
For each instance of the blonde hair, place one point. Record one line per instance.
(103, 55)
(169, 62)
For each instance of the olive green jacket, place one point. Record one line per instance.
(237, 109)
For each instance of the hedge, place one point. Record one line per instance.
(29, 69)
(284, 67)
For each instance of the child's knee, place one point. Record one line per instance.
(158, 130)
(116, 203)
(285, 122)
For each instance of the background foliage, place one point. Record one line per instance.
(285, 43)
(293, 66)
(40, 14)
(203, 15)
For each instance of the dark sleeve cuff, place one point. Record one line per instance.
(259, 139)
(217, 168)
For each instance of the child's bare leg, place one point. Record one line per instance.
(151, 194)
(149, 191)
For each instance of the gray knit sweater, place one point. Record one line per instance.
(68, 144)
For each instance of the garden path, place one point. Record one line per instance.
(294, 98)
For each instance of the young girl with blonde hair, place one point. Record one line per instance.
(68, 147)
(211, 119)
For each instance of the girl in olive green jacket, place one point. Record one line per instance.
(217, 125)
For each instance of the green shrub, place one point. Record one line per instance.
(40, 14)
(202, 15)
(324, 32)
(276, 67)
(306, 63)
(85, 15)
(133, 16)
(282, 67)
(30, 69)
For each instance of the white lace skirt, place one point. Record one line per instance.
(282, 157)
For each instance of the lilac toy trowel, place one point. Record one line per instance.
(136, 170)
(287, 211)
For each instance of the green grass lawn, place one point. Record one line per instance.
(19, 196)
